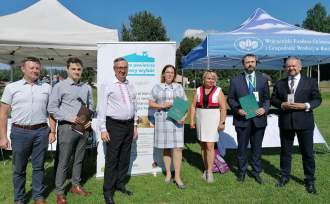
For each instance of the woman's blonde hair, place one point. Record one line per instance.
(212, 73)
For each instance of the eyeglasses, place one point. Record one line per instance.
(126, 67)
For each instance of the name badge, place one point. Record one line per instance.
(290, 98)
(256, 95)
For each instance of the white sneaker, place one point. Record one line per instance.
(209, 177)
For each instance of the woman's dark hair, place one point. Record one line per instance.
(162, 78)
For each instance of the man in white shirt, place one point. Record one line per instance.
(118, 125)
(27, 100)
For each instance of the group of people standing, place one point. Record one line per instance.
(33, 103)
(295, 97)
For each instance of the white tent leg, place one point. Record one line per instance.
(183, 85)
(195, 78)
(318, 74)
(11, 73)
(307, 71)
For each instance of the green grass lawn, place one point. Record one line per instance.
(150, 189)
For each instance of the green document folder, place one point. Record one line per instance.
(178, 109)
(249, 105)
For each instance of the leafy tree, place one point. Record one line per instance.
(17, 73)
(144, 26)
(317, 19)
(88, 74)
(4, 75)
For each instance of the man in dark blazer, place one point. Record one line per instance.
(249, 130)
(296, 96)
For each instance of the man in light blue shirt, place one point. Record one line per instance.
(27, 100)
(64, 104)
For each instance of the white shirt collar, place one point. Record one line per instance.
(37, 82)
(115, 81)
(297, 77)
(172, 85)
(253, 74)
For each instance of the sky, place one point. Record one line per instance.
(178, 15)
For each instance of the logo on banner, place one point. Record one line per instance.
(248, 44)
(140, 65)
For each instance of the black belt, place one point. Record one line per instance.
(63, 122)
(30, 127)
(120, 121)
(207, 107)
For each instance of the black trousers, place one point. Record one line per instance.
(305, 139)
(255, 136)
(117, 156)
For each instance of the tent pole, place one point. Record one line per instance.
(11, 73)
(318, 74)
(307, 72)
(195, 79)
(51, 71)
(182, 77)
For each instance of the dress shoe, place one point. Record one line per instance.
(109, 200)
(180, 186)
(281, 182)
(78, 190)
(310, 188)
(40, 201)
(125, 191)
(240, 178)
(257, 178)
(167, 181)
(61, 199)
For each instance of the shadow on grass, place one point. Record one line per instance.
(190, 136)
(193, 159)
(88, 170)
(268, 168)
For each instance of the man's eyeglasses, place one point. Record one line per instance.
(126, 67)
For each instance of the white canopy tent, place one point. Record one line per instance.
(49, 31)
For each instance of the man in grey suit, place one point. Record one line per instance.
(64, 104)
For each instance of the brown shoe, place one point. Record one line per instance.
(79, 191)
(40, 201)
(61, 199)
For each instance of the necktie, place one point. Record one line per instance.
(124, 93)
(250, 86)
(292, 85)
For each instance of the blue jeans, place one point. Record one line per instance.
(26, 143)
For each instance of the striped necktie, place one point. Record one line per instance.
(292, 85)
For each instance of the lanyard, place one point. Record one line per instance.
(253, 82)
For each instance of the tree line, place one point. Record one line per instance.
(144, 26)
